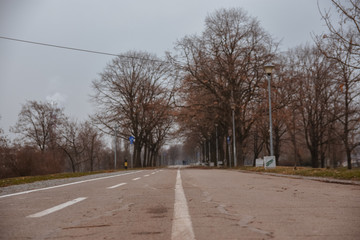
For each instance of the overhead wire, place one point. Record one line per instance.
(77, 49)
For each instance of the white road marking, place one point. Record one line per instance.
(181, 226)
(153, 172)
(56, 208)
(136, 178)
(147, 175)
(64, 185)
(118, 185)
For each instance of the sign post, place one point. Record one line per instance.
(228, 142)
(132, 139)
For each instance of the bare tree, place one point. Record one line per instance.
(3, 139)
(313, 74)
(198, 115)
(343, 39)
(342, 45)
(133, 92)
(91, 140)
(7, 157)
(291, 78)
(38, 124)
(227, 62)
(38, 127)
(82, 144)
(71, 144)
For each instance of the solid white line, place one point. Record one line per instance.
(68, 184)
(136, 178)
(56, 208)
(115, 186)
(181, 226)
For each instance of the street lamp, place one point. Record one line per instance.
(115, 143)
(204, 152)
(217, 144)
(268, 70)
(209, 159)
(232, 105)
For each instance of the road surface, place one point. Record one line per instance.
(184, 204)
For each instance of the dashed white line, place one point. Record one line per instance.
(181, 226)
(68, 184)
(56, 208)
(147, 175)
(135, 179)
(115, 186)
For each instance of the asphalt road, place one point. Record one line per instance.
(184, 204)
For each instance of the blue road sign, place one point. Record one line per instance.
(131, 139)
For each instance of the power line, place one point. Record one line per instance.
(76, 49)
(57, 46)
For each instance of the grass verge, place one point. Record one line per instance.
(30, 179)
(338, 173)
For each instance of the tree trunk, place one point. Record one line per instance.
(348, 156)
(315, 157)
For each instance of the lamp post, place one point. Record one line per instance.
(232, 105)
(229, 149)
(204, 152)
(115, 143)
(217, 144)
(209, 159)
(268, 70)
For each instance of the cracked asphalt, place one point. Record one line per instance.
(222, 204)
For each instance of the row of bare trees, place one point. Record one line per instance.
(49, 142)
(212, 86)
(135, 93)
(222, 87)
(315, 90)
(223, 73)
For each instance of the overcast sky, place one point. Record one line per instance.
(32, 72)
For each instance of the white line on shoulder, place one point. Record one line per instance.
(56, 208)
(68, 184)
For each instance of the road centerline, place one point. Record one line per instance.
(56, 208)
(182, 225)
(135, 179)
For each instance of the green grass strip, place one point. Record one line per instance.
(30, 179)
(338, 173)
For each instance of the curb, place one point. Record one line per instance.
(319, 179)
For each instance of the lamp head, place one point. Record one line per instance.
(268, 69)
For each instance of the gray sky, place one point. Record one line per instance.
(32, 72)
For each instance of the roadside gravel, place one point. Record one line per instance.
(51, 183)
